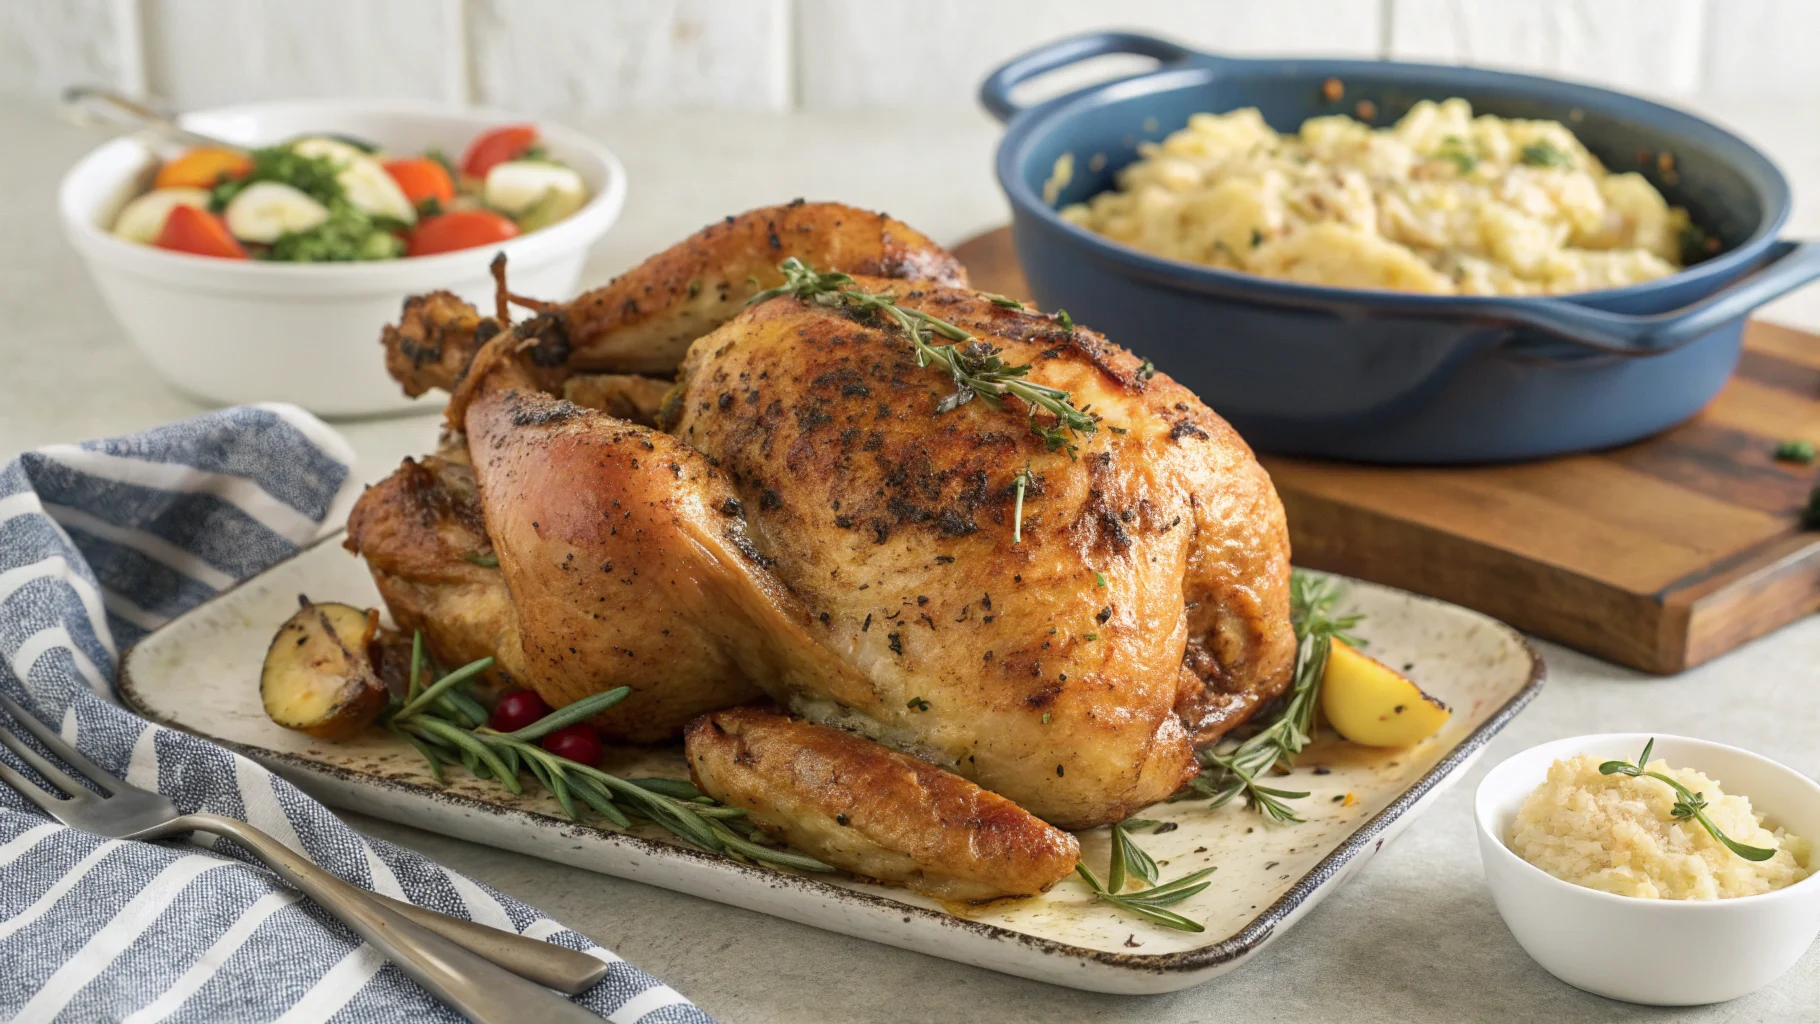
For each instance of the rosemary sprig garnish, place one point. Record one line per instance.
(436, 719)
(1128, 858)
(1130, 861)
(1236, 771)
(1688, 805)
(974, 366)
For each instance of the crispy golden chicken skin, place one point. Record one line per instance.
(874, 812)
(643, 321)
(621, 395)
(807, 524)
(422, 531)
(1145, 608)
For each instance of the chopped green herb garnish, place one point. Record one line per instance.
(917, 704)
(1062, 317)
(349, 234)
(1453, 148)
(1146, 370)
(1099, 578)
(1545, 154)
(1795, 451)
(1695, 244)
(1004, 301)
(313, 175)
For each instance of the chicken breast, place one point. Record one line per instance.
(876, 813)
(1143, 609)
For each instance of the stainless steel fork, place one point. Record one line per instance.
(452, 958)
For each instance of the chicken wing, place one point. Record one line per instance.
(644, 321)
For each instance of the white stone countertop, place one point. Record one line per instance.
(1412, 938)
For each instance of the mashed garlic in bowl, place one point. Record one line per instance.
(1617, 834)
(1442, 202)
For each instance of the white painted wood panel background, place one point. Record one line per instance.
(589, 57)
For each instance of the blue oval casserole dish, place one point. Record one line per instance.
(1382, 376)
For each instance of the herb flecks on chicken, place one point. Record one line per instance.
(805, 525)
(976, 366)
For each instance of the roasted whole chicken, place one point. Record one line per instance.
(916, 636)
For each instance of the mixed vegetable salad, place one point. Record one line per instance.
(328, 198)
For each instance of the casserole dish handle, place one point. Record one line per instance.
(1788, 266)
(995, 91)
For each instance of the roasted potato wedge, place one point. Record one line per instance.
(318, 676)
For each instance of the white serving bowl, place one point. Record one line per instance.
(1663, 952)
(232, 331)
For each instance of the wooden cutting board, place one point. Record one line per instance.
(1659, 555)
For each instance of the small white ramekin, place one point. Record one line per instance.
(232, 331)
(1662, 952)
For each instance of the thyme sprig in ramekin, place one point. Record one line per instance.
(1688, 804)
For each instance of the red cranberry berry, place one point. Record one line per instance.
(578, 742)
(516, 710)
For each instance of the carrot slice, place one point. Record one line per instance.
(203, 168)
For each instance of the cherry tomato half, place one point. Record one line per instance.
(421, 178)
(463, 229)
(578, 742)
(516, 710)
(496, 147)
(199, 233)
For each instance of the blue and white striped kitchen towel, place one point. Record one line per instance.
(100, 543)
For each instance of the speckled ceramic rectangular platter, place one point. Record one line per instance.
(200, 673)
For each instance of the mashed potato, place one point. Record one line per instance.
(1442, 202)
(1615, 833)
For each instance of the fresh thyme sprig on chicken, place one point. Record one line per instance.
(973, 365)
(1130, 861)
(446, 725)
(1237, 770)
(1021, 482)
(1688, 804)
